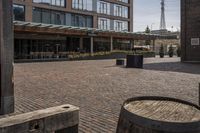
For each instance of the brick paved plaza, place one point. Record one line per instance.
(99, 87)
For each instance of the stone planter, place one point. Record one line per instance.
(119, 62)
(134, 61)
(161, 55)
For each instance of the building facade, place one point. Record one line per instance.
(190, 33)
(101, 14)
(106, 15)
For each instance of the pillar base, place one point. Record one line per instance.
(7, 105)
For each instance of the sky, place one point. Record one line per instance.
(148, 12)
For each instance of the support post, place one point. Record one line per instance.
(111, 44)
(81, 43)
(154, 45)
(91, 45)
(132, 44)
(6, 58)
(199, 94)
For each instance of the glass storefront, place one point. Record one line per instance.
(39, 49)
(53, 47)
(48, 47)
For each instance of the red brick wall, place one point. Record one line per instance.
(190, 26)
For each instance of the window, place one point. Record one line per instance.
(121, 11)
(57, 18)
(60, 3)
(48, 16)
(120, 25)
(19, 12)
(82, 4)
(104, 23)
(81, 21)
(53, 2)
(103, 7)
(125, 1)
(37, 15)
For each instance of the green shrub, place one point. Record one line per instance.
(161, 51)
(171, 51)
(77, 56)
(178, 51)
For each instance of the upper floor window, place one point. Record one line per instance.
(60, 3)
(103, 7)
(19, 12)
(48, 16)
(120, 25)
(125, 1)
(121, 11)
(104, 23)
(82, 4)
(81, 21)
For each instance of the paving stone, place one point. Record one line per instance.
(99, 87)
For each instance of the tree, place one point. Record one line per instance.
(147, 31)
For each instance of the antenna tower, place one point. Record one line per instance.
(162, 19)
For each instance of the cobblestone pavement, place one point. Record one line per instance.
(99, 87)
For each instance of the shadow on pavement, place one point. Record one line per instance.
(174, 67)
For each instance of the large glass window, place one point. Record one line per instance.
(104, 23)
(19, 12)
(81, 21)
(52, 2)
(103, 7)
(48, 16)
(125, 1)
(82, 4)
(120, 25)
(120, 11)
(37, 15)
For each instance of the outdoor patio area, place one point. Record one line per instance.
(99, 87)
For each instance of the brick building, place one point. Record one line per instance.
(51, 28)
(190, 26)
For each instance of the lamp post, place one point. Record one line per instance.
(57, 50)
(152, 26)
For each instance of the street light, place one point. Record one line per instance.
(152, 26)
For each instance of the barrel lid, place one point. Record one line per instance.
(164, 109)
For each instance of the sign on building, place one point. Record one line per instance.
(194, 41)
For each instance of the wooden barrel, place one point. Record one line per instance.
(158, 115)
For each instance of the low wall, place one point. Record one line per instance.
(61, 119)
(96, 56)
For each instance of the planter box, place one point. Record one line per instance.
(119, 62)
(134, 61)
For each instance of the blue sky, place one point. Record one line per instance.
(148, 12)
